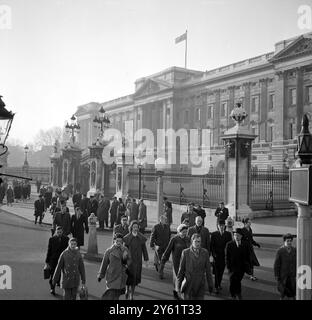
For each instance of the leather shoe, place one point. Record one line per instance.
(52, 291)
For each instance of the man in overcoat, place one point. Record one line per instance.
(237, 257)
(142, 216)
(134, 211)
(72, 267)
(57, 244)
(285, 268)
(102, 212)
(219, 239)
(194, 271)
(202, 231)
(39, 209)
(113, 212)
(62, 218)
(160, 238)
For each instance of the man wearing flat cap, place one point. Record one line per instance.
(285, 268)
(238, 262)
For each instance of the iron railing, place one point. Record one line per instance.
(270, 189)
(180, 188)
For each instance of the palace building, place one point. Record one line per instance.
(274, 88)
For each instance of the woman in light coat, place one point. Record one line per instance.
(113, 268)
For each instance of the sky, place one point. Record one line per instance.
(58, 54)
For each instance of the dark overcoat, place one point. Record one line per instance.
(10, 195)
(137, 249)
(39, 207)
(248, 237)
(55, 247)
(63, 220)
(217, 247)
(175, 247)
(134, 211)
(285, 267)
(237, 258)
(78, 227)
(102, 211)
(142, 216)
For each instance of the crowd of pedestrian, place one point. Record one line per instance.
(14, 191)
(199, 258)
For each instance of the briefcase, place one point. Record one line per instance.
(46, 272)
(83, 293)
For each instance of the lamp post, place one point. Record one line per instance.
(73, 128)
(26, 149)
(6, 119)
(102, 121)
(300, 192)
(140, 177)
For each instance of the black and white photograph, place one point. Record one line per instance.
(156, 150)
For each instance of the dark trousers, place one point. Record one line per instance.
(40, 218)
(113, 218)
(235, 283)
(70, 293)
(53, 267)
(158, 256)
(101, 224)
(218, 271)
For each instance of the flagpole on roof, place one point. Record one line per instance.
(185, 48)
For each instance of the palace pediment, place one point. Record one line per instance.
(152, 86)
(301, 46)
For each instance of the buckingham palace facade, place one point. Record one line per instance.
(274, 88)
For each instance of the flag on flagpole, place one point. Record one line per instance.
(181, 38)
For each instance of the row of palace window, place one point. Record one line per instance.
(254, 108)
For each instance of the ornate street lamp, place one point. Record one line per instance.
(140, 178)
(304, 152)
(26, 149)
(72, 128)
(102, 121)
(6, 118)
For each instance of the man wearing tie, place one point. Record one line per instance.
(238, 262)
(219, 239)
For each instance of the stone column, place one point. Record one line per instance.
(304, 248)
(230, 107)
(279, 119)
(246, 86)
(238, 142)
(216, 118)
(300, 96)
(263, 108)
